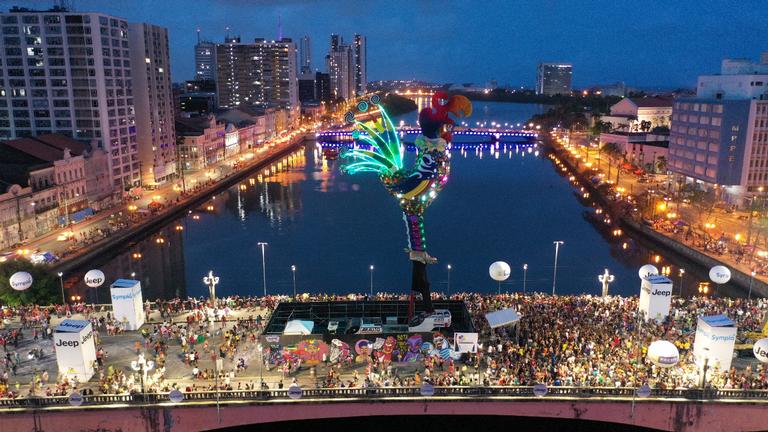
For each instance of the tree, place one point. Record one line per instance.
(645, 125)
(45, 287)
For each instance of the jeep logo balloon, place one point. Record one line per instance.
(760, 349)
(21, 281)
(499, 271)
(94, 278)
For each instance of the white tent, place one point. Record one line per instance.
(502, 317)
(298, 327)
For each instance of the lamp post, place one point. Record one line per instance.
(293, 270)
(142, 366)
(211, 281)
(525, 274)
(449, 279)
(61, 283)
(557, 244)
(371, 268)
(681, 273)
(751, 279)
(264, 265)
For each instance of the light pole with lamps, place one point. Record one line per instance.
(557, 244)
(751, 280)
(449, 279)
(142, 366)
(211, 281)
(525, 274)
(371, 269)
(61, 283)
(293, 270)
(263, 265)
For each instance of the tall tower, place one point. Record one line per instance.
(360, 72)
(305, 56)
(155, 127)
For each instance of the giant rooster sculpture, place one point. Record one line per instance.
(414, 187)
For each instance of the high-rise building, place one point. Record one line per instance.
(305, 56)
(347, 67)
(720, 136)
(307, 88)
(360, 58)
(261, 73)
(70, 73)
(153, 96)
(554, 78)
(205, 60)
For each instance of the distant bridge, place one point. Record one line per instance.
(460, 136)
(672, 410)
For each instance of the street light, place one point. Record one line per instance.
(449, 279)
(263, 265)
(605, 279)
(61, 282)
(371, 268)
(557, 244)
(293, 270)
(142, 366)
(525, 274)
(682, 272)
(751, 279)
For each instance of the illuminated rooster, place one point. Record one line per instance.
(415, 187)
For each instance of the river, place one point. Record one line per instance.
(505, 204)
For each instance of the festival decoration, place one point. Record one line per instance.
(760, 350)
(663, 354)
(21, 281)
(94, 278)
(719, 274)
(647, 270)
(378, 149)
(499, 271)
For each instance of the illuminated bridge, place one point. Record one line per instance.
(671, 410)
(460, 136)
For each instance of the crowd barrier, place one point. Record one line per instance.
(553, 392)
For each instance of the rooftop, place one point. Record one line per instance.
(652, 102)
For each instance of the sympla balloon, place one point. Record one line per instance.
(21, 281)
(499, 271)
(719, 274)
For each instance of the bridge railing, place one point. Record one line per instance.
(391, 392)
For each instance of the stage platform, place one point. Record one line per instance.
(342, 319)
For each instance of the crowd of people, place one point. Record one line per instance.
(579, 340)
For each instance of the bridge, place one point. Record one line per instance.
(461, 136)
(670, 410)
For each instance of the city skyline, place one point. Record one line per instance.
(604, 42)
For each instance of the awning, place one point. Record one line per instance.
(298, 327)
(502, 317)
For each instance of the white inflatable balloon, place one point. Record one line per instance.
(21, 281)
(663, 354)
(760, 350)
(647, 270)
(499, 271)
(719, 274)
(94, 278)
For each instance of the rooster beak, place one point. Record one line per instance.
(460, 106)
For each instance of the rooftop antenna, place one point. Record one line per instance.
(226, 36)
(279, 27)
(198, 35)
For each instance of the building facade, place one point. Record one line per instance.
(720, 137)
(262, 73)
(347, 67)
(640, 114)
(205, 61)
(153, 95)
(201, 142)
(554, 78)
(70, 73)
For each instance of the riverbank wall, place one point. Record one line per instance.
(156, 221)
(739, 278)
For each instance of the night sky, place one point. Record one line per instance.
(651, 43)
